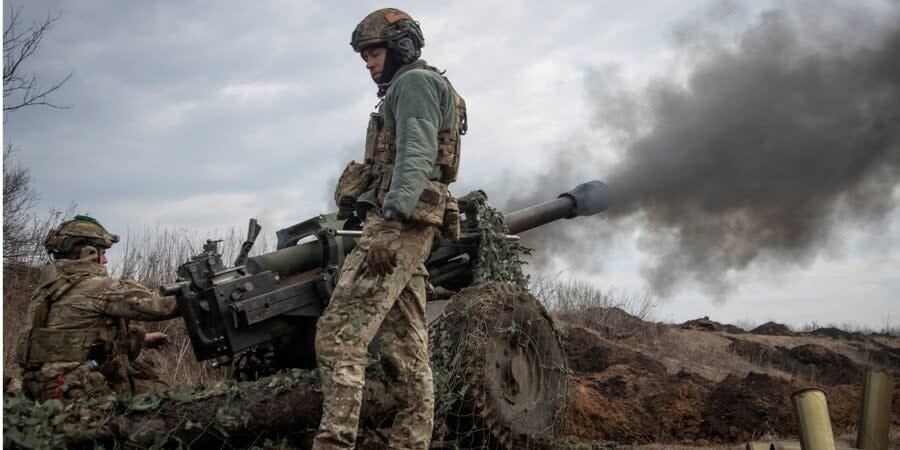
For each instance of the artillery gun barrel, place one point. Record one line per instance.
(296, 259)
(586, 199)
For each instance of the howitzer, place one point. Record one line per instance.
(264, 308)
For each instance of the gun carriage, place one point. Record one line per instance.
(259, 314)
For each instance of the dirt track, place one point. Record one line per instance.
(703, 383)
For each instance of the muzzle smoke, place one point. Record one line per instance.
(776, 141)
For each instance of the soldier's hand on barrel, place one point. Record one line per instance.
(155, 340)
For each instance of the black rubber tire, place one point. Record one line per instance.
(500, 370)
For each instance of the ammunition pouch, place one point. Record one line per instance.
(429, 208)
(43, 345)
(449, 141)
(379, 141)
(353, 182)
(431, 205)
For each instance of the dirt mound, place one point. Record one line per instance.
(837, 333)
(625, 404)
(608, 406)
(744, 408)
(676, 409)
(884, 355)
(704, 324)
(623, 395)
(824, 365)
(755, 352)
(588, 352)
(809, 361)
(611, 322)
(773, 329)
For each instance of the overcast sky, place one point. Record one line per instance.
(199, 115)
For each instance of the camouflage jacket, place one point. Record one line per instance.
(77, 304)
(418, 103)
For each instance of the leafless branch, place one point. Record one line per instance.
(22, 89)
(18, 200)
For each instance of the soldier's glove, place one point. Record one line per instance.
(382, 237)
(346, 208)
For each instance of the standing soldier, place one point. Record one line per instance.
(80, 343)
(411, 155)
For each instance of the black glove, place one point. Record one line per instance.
(382, 238)
(346, 208)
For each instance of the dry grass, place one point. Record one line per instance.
(888, 327)
(701, 352)
(18, 282)
(20, 276)
(614, 315)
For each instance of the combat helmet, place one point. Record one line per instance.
(81, 230)
(391, 28)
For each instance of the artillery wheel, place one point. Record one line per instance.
(500, 370)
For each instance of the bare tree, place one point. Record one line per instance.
(22, 88)
(18, 200)
(22, 232)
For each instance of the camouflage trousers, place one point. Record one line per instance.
(361, 304)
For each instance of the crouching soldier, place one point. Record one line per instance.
(80, 342)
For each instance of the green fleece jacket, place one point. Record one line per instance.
(418, 103)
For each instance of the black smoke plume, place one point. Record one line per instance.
(762, 151)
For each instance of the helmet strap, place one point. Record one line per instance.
(392, 63)
(88, 251)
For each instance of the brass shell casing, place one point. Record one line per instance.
(875, 416)
(811, 411)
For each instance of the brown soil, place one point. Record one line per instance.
(774, 329)
(641, 390)
(838, 333)
(705, 324)
(811, 361)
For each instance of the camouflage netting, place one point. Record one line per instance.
(276, 411)
(230, 413)
(500, 372)
(499, 259)
(499, 369)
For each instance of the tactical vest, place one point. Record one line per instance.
(41, 345)
(381, 153)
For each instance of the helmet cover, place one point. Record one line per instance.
(391, 28)
(79, 230)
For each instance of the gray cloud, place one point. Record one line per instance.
(176, 101)
(774, 143)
